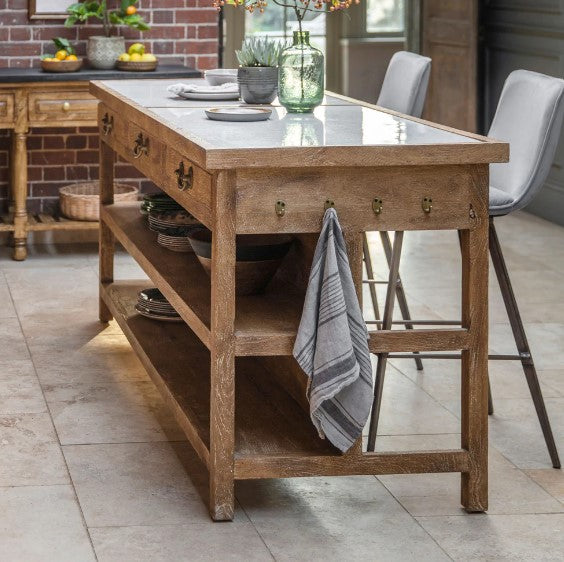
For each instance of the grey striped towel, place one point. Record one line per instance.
(331, 346)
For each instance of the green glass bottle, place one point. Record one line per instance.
(301, 75)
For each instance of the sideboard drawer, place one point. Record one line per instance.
(53, 107)
(6, 108)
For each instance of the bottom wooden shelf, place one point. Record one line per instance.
(44, 221)
(270, 424)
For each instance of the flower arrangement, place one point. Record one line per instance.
(126, 14)
(300, 7)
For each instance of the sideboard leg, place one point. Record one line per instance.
(474, 411)
(222, 398)
(19, 193)
(107, 242)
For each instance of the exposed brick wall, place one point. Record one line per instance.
(182, 31)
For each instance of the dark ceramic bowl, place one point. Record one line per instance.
(258, 258)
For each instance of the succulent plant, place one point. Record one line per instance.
(257, 51)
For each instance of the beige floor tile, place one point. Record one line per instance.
(554, 378)
(7, 310)
(510, 538)
(550, 479)
(510, 490)
(407, 409)
(12, 341)
(20, 391)
(42, 523)
(198, 542)
(136, 484)
(85, 413)
(101, 359)
(29, 451)
(348, 518)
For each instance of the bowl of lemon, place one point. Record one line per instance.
(137, 60)
(64, 60)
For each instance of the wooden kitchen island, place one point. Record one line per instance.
(227, 370)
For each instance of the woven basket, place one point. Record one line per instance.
(81, 201)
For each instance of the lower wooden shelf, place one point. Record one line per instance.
(44, 221)
(269, 423)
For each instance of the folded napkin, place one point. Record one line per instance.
(227, 88)
(332, 343)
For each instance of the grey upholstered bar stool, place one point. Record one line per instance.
(404, 90)
(529, 116)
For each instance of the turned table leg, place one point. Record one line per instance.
(19, 193)
(474, 413)
(222, 397)
(107, 242)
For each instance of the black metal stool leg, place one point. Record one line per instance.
(370, 273)
(521, 342)
(386, 325)
(400, 293)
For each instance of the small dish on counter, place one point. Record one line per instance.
(219, 76)
(239, 114)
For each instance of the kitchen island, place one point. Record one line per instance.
(227, 371)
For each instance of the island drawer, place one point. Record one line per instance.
(189, 184)
(54, 107)
(6, 107)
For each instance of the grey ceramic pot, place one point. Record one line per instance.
(258, 84)
(103, 52)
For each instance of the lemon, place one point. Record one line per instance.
(148, 57)
(61, 55)
(135, 57)
(131, 10)
(71, 57)
(124, 57)
(136, 48)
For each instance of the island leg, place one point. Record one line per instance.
(222, 392)
(474, 413)
(19, 193)
(107, 242)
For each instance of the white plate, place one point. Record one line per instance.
(211, 96)
(239, 114)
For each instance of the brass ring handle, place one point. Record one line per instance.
(66, 106)
(107, 124)
(184, 178)
(141, 146)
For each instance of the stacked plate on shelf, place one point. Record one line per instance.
(175, 240)
(159, 203)
(166, 220)
(151, 303)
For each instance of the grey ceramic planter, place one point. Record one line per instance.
(103, 52)
(258, 84)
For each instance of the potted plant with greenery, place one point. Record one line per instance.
(104, 50)
(258, 73)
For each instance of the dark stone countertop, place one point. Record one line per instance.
(17, 75)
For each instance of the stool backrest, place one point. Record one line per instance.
(405, 84)
(528, 116)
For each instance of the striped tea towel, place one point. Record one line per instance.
(332, 343)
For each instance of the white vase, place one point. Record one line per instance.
(103, 52)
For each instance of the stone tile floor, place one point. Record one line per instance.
(92, 466)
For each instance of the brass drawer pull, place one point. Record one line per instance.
(427, 204)
(184, 178)
(141, 146)
(107, 124)
(66, 106)
(377, 205)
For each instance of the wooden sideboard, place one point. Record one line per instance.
(30, 98)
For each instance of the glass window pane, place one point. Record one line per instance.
(385, 16)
